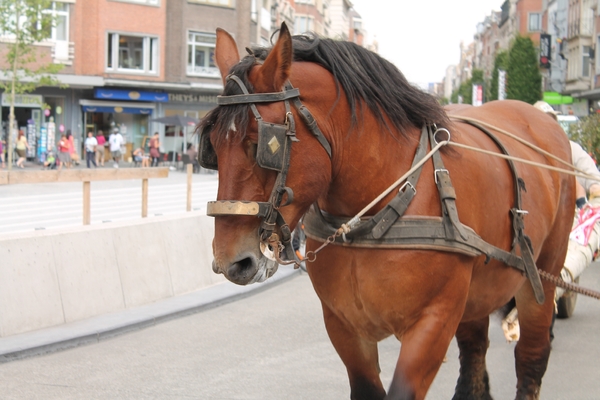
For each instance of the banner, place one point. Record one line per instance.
(477, 95)
(545, 50)
(501, 84)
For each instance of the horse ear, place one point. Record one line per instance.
(226, 53)
(276, 69)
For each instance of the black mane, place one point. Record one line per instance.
(364, 76)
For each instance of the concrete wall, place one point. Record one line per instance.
(49, 278)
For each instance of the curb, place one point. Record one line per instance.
(93, 330)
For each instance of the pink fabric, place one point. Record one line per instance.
(586, 218)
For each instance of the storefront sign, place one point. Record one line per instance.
(134, 95)
(23, 100)
(192, 98)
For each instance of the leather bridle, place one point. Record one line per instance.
(273, 152)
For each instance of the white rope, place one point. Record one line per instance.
(356, 219)
(518, 139)
(521, 160)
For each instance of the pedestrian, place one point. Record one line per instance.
(74, 155)
(50, 162)
(64, 153)
(90, 150)
(21, 148)
(115, 141)
(155, 149)
(2, 153)
(100, 148)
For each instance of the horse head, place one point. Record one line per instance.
(263, 151)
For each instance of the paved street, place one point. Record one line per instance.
(35, 206)
(273, 345)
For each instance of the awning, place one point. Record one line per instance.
(117, 107)
(135, 95)
(124, 110)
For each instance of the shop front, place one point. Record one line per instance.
(126, 110)
(28, 118)
(177, 139)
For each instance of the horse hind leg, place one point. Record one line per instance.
(360, 357)
(473, 381)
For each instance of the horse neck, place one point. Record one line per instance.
(370, 160)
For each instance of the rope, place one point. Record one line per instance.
(356, 219)
(518, 139)
(569, 286)
(521, 160)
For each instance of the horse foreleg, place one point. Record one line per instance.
(423, 349)
(473, 381)
(533, 349)
(360, 357)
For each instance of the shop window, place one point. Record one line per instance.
(201, 54)
(127, 53)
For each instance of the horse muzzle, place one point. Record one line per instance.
(247, 269)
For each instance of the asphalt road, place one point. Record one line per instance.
(273, 345)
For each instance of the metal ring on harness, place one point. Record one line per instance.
(438, 130)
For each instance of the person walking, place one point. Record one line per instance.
(90, 150)
(2, 153)
(115, 141)
(64, 153)
(155, 149)
(100, 148)
(21, 148)
(73, 154)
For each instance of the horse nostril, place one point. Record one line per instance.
(242, 270)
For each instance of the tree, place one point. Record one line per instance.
(524, 78)
(24, 23)
(587, 133)
(466, 88)
(500, 63)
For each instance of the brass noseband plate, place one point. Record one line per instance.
(225, 207)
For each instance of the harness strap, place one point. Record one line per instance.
(447, 194)
(519, 238)
(257, 97)
(309, 120)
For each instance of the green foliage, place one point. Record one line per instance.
(500, 62)
(587, 133)
(466, 88)
(25, 22)
(524, 78)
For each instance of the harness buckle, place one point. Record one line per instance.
(435, 173)
(407, 183)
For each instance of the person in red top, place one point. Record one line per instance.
(64, 152)
(100, 148)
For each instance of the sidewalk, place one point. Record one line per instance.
(106, 326)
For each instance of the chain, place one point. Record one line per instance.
(569, 286)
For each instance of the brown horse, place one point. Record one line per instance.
(368, 123)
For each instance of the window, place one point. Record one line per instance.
(153, 2)
(302, 25)
(60, 12)
(222, 3)
(201, 54)
(535, 22)
(128, 53)
(585, 61)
